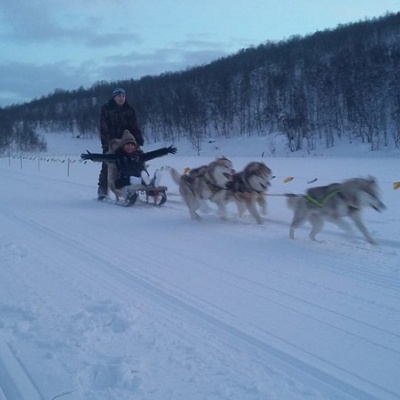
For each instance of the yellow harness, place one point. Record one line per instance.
(321, 203)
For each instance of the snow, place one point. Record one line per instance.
(101, 302)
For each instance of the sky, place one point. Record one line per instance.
(102, 302)
(55, 44)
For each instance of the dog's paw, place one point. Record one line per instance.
(314, 239)
(318, 241)
(195, 217)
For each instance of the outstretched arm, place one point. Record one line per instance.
(159, 153)
(110, 158)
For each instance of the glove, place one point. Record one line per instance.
(88, 156)
(171, 149)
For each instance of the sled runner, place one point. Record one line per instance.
(156, 196)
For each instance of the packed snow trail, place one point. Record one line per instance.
(102, 302)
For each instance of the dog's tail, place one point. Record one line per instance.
(175, 175)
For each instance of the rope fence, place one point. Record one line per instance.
(68, 160)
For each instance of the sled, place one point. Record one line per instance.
(155, 196)
(152, 193)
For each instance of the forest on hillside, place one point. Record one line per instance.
(313, 90)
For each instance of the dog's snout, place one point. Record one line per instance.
(227, 175)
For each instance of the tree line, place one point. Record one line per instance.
(341, 84)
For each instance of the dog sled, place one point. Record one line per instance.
(149, 193)
(155, 196)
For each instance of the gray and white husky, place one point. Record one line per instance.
(332, 203)
(248, 187)
(207, 182)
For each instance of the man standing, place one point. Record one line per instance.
(116, 116)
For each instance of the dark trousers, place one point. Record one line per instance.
(103, 186)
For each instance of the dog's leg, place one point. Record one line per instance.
(344, 225)
(194, 216)
(251, 206)
(291, 232)
(193, 205)
(189, 197)
(204, 207)
(356, 218)
(317, 224)
(222, 210)
(240, 207)
(262, 204)
(298, 220)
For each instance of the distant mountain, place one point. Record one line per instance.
(313, 90)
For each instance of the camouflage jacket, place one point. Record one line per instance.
(115, 119)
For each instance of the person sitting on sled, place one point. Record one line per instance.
(127, 169)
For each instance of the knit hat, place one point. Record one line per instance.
(118, 91)
(127, 137)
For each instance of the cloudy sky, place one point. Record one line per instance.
(65, 44)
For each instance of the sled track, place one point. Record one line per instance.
(260, 350)
(11, 366)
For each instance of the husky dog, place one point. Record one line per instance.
(248, 187)
(332, 203)
(207, 182)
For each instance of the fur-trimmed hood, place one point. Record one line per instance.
(116, 144)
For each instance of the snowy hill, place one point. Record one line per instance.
(254, 146)
(100, 302)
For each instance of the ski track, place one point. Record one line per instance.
(176, 307)
(169, 302)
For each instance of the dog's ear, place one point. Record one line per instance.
(371, 179)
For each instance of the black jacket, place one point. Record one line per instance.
(128, 164)
(114, 119)
(132, 164)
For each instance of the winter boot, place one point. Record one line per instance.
(145, 178)
(101, 194)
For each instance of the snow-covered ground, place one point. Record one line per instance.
(100, 302)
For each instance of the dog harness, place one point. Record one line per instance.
(324, 199)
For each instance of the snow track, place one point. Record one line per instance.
(15, 381)
(143, 295)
